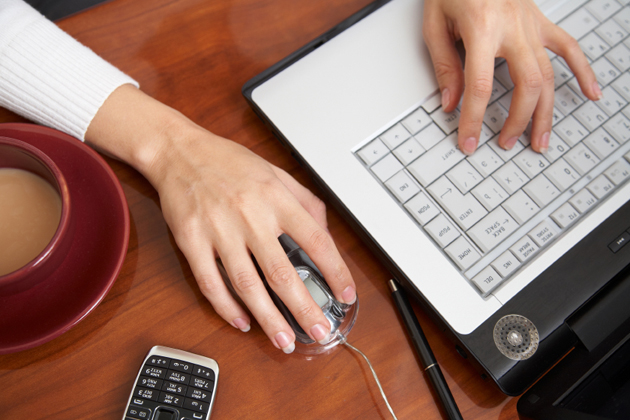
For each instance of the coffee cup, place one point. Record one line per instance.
(18, 155)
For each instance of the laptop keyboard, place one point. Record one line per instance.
(494, 211)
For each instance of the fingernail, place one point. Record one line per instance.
(241, 324)
(510, 143)
(598, 91)
(349, 295)
(285, 343)
(446, 97)
(470, 144)
(544, 143)
(320, 334)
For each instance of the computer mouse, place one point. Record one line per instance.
(340, 315)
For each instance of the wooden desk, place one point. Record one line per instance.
(195, 55)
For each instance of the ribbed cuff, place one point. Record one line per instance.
(50, 78)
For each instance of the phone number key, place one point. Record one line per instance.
(171, 399)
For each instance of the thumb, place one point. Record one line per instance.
(446, 60)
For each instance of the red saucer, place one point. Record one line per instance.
(38, 315)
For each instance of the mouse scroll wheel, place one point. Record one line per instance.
(336, 311)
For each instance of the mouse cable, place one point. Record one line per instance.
(344, 340)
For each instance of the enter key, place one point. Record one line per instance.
(493, 229)
(464, 209)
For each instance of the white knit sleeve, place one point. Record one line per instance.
(49, 77)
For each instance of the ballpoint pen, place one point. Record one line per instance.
(427, 359)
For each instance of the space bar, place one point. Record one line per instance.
(439, 159)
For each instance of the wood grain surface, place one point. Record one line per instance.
(195, 56)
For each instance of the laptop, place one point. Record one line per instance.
(507, 250)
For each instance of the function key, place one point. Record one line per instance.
(179, 377)
(199, 406)
(139, 413)
(158, 361)
(171, 399)
(154, 372)
(204, 372)
(201, 383)
(181, 366)
(149, 382)
(198, 394)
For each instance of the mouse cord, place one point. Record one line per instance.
(389, 407)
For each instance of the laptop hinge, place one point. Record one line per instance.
(603, 314)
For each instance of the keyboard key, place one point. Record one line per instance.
(506, 100)
(612, 102)
(583, 200)
(590, 116)
(395, 135)
(611, 32)
(505, 155)
(541, 190)
(485, 160)
(623, 18)
(601, 143)
(565, 215)
(464, 209)
(430, 136)
(605, 71)
(435, 162)
(374, 150)
(544, 232)
(485, 134)
(581, 158)
(524, 249)
(571, 131)
(603, 9)
(506, 264)
(530, 162)
(566, 100)
(409, 151)
(556, 148)
(416, 121)
(441, 230)
(575, 87)
(622, 86)
(562, 175)
(593, 46)
(618, 172)
(495, 117)
(561, 73)
(619, 127)
(497, 91)
(556, 116)
(579, 23)
(492, 229)
(422, 209)
(464, 176)
(447, 121)
(510, 177)
(620, 57)
(487, 279)
(432, 103)
(463, 253)
(386, 167)
(600, 187)
(521, 207)
(402, 186)
(502, 73)
(490, 194)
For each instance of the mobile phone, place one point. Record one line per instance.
(173, 385)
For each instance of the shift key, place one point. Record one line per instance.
(493, 229)
(439, 159)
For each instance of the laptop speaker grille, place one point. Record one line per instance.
(516, 337)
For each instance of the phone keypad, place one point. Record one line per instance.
(172, 388)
